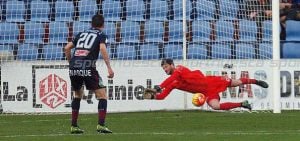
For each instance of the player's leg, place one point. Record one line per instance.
(213, 100)
(76, 83)
(237, 82)
(102, 108)
(95, 83)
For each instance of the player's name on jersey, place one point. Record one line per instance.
(80, 73)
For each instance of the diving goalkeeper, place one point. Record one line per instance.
(184, 79)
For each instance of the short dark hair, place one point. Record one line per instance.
(97, 21)
(167, 61)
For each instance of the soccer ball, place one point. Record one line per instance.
(198, 99)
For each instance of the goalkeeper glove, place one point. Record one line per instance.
(149, 93)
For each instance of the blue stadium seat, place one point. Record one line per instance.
(80, 27)
(15, 11)
(53, 52)
(177, 4)
(201, 31)
(34, 32)
(291, 50)
(27, 52)
(64, 10)
(5, 48)
(175, 31)
(9, 33)
(173, 51)
(40, 11)
(58, 32)
(87, 9)
(135, 10)
(6, 52)
(196, 51)
(149, 51)
(267, 31)
(125, 52)
(110, 31)
(221, 51)
(225, 31)
(206, 9)
(154, 31)
(130, 31)
(247, 30)
(228, 9)
(158, 10)
(111, 10)
(292, 30)
(245, 51)
(265, 50)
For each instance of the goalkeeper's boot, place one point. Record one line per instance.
(76, 130)
(262, 83)
(247, 105)
(103, 129)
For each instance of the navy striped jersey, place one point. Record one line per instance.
(87, 47)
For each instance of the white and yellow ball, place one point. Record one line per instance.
(198, 99)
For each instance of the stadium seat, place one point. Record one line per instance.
(177, 4)
(58, 32)
(292, 30)
(154, 31)
(135, 10)
(34, 32)
(224, 31)
(175, 31)
(205, 9)
(149, 51)
(80, 27)
(245, 51)
(221, 51)
(196, 51)
(9, 33)
(247, 30)
(267, 31)
(228, 9)
(130, 31)
(87, 9)
(158, 10)
(6, 52)
(27, 52)
(291, 50)
(40, 11)
(15, 11)
(64, 10)
(110, 31)
(265, 50)
(125, 52)
(201, 31)
(173, 51)
(111, 10)
(53, 52)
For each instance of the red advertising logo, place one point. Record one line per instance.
(53, 90)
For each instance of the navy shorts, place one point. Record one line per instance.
(91, 80)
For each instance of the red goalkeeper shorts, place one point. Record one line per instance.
(216, 85)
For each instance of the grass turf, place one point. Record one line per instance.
(162, 125)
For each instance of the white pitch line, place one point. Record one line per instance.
(292, 132)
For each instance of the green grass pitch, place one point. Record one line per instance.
(156, 126)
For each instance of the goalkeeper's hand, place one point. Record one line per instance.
(149, 93)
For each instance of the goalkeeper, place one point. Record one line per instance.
(184, 79)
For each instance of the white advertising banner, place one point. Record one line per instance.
(45, 86)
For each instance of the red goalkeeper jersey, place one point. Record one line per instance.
(192, 81)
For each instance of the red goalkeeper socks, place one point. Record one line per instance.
(229, 105)
(248, 81)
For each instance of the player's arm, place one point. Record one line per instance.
(68, 49)
(164, 89)
(106, 60)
